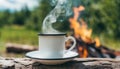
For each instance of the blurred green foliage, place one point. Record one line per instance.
(101, 15)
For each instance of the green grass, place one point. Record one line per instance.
(111, 42)
(2, 47)
(18, 34)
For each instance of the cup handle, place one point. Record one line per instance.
(74, 43)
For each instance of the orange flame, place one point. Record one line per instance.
(97, 40)
(80, 27)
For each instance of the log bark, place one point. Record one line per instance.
(77, 63)
(18, 48)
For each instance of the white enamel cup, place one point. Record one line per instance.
(53, 45)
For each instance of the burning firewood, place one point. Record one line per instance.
(86, 46)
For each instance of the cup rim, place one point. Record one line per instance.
(40, 34)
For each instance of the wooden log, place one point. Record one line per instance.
(18, 48)
(77, 63)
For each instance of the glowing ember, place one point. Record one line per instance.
(83, 52)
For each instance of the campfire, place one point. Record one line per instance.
(86, 45)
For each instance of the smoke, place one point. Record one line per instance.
(63, 9)
(53, 2)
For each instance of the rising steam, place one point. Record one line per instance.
(61, 10)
